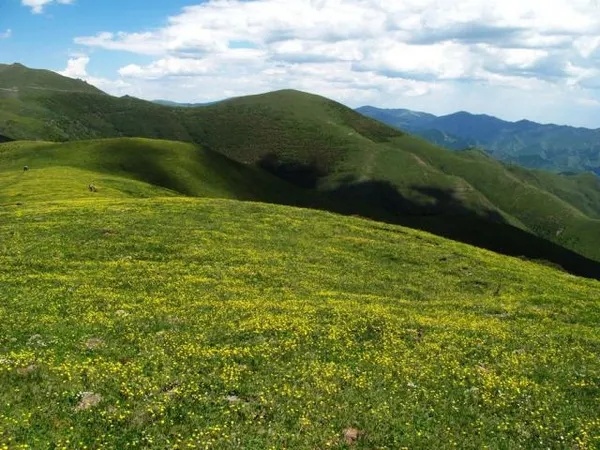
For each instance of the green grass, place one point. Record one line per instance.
(559, 208)
(17, 76)
(143, 316)
(211, 323)
(135, 167)
(350, 163)
(129, 168)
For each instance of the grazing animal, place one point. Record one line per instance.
(92, 188)
(25, 168)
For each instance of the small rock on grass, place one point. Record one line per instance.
(88, 400)
(94, 343)
(36, 341)
(24, 371)
(351, 435)
(233, 398)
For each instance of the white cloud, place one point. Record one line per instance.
(77, 68)
(367, 50)
(438, 61)
(6, 34)
(37, 6)
(168, 66)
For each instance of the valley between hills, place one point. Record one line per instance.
(280, 271)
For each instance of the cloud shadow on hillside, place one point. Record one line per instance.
(446, 216)
(437, 211)
(304, 175)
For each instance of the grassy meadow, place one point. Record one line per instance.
(182, 306)
(130, 167)
(208, 323)
(141, 167)
(322, 146)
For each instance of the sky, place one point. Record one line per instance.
(515, 59)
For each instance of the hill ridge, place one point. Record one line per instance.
(19, 77)
(351, 163)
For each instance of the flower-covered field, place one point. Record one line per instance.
(190, 323)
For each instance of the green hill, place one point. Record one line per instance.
(130, 167)
(346, 162)
(135, 167)
(317, 143)
(288, 127)
(17, 77)
(559, 208)
(140, 315)
(174, 323)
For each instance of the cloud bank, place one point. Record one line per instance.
(372, 51)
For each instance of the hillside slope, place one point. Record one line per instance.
(130, 167)
(16, 77)
(353, 164)
(211, 323)
(140, 168)
(316, 143)
(560, 208)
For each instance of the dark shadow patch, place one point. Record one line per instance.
(441, 214)
(305, 175)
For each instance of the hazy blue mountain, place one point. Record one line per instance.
(400, 118)
(542, 146)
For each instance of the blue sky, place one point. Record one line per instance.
(538, 59)
(46, 39)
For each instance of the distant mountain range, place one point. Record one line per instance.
(557, 148)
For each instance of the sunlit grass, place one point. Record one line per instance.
(186, 323)
(126, 168)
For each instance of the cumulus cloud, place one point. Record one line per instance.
(37, 6)
(6, 34)
(355, 50)
(77, 68)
